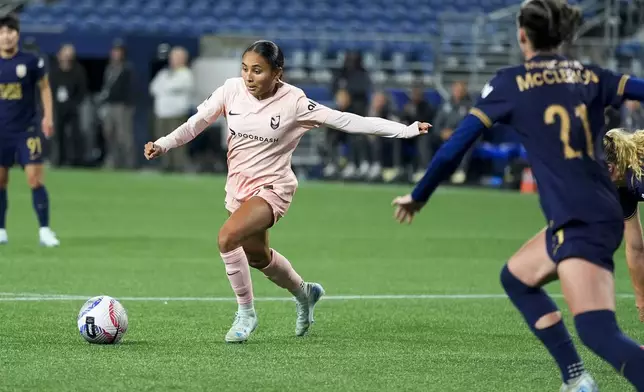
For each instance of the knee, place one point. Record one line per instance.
(538, 309)
(4, 181)
(34, 180)
(228, 240)
(258, 258)
(512, 284)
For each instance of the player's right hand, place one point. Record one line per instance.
(406, 208)
(152, 151)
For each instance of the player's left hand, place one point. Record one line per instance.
(47, 127)
(406, 208)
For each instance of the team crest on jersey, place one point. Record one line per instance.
(21, 70)
(275, 122)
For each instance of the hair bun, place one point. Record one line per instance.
(570, 20)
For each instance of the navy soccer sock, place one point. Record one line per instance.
(534, 303)
(3, 208)
(599, 332)
(41, 205)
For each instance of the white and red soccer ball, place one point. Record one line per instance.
(102, 320)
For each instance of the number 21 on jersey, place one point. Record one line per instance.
(557, 111)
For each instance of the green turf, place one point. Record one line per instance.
(145, 235)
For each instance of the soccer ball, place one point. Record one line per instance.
(102, 320)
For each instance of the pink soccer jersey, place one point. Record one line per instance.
(262, 135)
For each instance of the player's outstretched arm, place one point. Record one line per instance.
(634, 89)
(312, 114)
(184, 134)
(442, 166)
(206, 114)
(352, 123)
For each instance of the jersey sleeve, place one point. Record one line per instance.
(207, 112)
(612, 87)
(495, 103)
(213, 107)
(628, 201)
(38, 68)
(310, 114)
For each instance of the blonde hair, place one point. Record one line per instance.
(625, 150)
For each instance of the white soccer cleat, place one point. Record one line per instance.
(48, 238)
(314, 292)
(3, 237)
(583, 383)
(244, 324)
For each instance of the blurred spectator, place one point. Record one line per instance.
(418, 109)
(381, 168)
(172, 89)
(612, 118)
(334, 158)
(69, 88)
(353, 78)
(633, 115)
(447, 119)
(369, 147)
(116, 95)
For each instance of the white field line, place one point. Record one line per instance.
(15, 297)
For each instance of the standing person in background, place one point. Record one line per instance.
(69, 87)
(353, 78)
(449, 116)
(418, 107)
(173, 90)
(633, 115)
(371, 149)
(118, 121)
(22, 76)
(334, 141)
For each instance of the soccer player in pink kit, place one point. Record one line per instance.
(266, 119)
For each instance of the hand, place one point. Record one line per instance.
(152, 151)
(406, 208)
(423, 127)
(47, 127)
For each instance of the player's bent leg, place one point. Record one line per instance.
(279, 270)
(527, 270)
(589, 292)
(40, 198)
(4, 181)
(253, 217)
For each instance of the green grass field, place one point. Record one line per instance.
(140, 237)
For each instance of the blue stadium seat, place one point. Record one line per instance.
(357, 18)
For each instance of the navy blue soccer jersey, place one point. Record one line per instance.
(557, 107)
(630, 195)
(19, 77)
